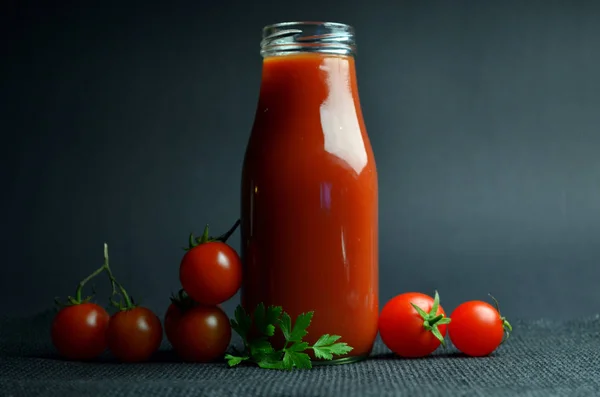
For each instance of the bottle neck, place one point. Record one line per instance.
(303, 80)
(310, 102)
(308, 37)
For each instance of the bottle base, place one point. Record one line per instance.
(340, 361)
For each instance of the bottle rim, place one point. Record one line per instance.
(308, 36)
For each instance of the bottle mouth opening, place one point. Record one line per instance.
(307, 36)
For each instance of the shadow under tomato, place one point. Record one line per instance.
(166, 356)
(437, 356)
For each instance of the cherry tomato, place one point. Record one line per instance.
(211, 272)
(79, 331)
(404, 331)
(203, 334)
(180, 303)
(134, 334)
(477, 328)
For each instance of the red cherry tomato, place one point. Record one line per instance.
(403, 329)
(79, 331)
(477, 328)
(211, 273)
(134, 334)
(202, 334)
(180, 303)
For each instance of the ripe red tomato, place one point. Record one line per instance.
(134, 334)
(211, 272)
(180, 303)
(404, 331)
(477, 328)
(79, 331)
(202, 334)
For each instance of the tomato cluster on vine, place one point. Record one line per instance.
(83, 330)
(195, 325)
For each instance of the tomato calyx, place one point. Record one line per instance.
(206, 238)
(505, 324)
(432, 320)
(183, 301)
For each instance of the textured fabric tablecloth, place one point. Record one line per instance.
(542, 358)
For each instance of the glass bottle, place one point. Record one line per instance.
(309, 196)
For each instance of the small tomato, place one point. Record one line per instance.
(203, 334)
(211, 272)
(413, 324)
(477, 328)
(134, 334)
(79, 331)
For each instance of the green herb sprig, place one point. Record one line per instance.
(261, 352)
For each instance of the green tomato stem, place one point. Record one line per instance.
(114, 283)
(206, 238)
(431, 322)
(82, 283)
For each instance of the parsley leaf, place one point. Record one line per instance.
(285, 325)
(269, 364)
(242, 323)
(326, 340)
(261, 352)
(326, 347)
(298, 347)
(299, 360)
(235, 360)
(265, 318)
(300, 326)
(260, 347)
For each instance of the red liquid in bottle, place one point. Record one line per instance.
(309, 200)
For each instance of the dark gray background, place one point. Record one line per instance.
(129, 123)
